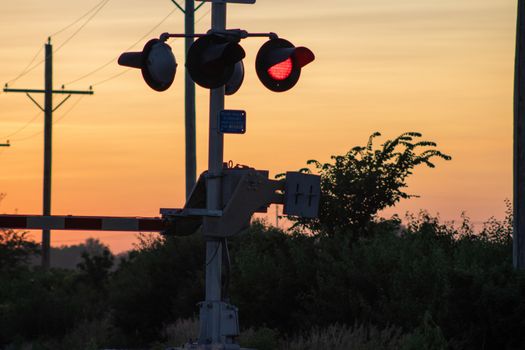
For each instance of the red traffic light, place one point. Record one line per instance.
(281, 70)
(279, 62)
(212, 60)
(156, 61)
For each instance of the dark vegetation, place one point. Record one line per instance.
(69, 256)
(347, 278)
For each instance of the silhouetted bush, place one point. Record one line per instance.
(365, 180)
(435, 284)
(161, 282)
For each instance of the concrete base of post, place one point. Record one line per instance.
(219, 326)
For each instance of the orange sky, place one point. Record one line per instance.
(440, 67)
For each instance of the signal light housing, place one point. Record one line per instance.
(212, 61)
(278, 64)
(235, 82)
(156, 62)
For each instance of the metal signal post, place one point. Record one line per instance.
(214, 61)
(210, 324)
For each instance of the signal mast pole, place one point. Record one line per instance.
(212, 61)
(48, 133)
(210, 331)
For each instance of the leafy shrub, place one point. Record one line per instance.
(15, 249)
(261, 339)
(271, 273)
(366, 180)
(162, 281)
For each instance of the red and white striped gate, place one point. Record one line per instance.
(69, 222)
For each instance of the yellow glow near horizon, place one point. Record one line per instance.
(440, 67)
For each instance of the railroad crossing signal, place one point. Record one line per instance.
(212, 59)
(156, 62)
(279, 62)
(215, 60)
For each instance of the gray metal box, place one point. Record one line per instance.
(301, 194)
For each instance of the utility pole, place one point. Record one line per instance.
(519, 143)
(189, 98)
(48, 132)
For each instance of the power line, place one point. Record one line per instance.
(30, 68)
(129, 48)
(111, 77)
(103, 3)
(27, 69)
(203, 15)
(78, 19)
(23, 127)
(69, 110)
(54, 122)
(138, 41)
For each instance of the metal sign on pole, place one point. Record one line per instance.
(232, 121)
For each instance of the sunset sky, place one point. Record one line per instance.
(440, 67)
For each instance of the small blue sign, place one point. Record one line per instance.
(232, 121)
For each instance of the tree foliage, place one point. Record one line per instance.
(357, 185)
(95, 267)
(15, 249)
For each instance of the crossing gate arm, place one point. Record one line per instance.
(92, 223)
